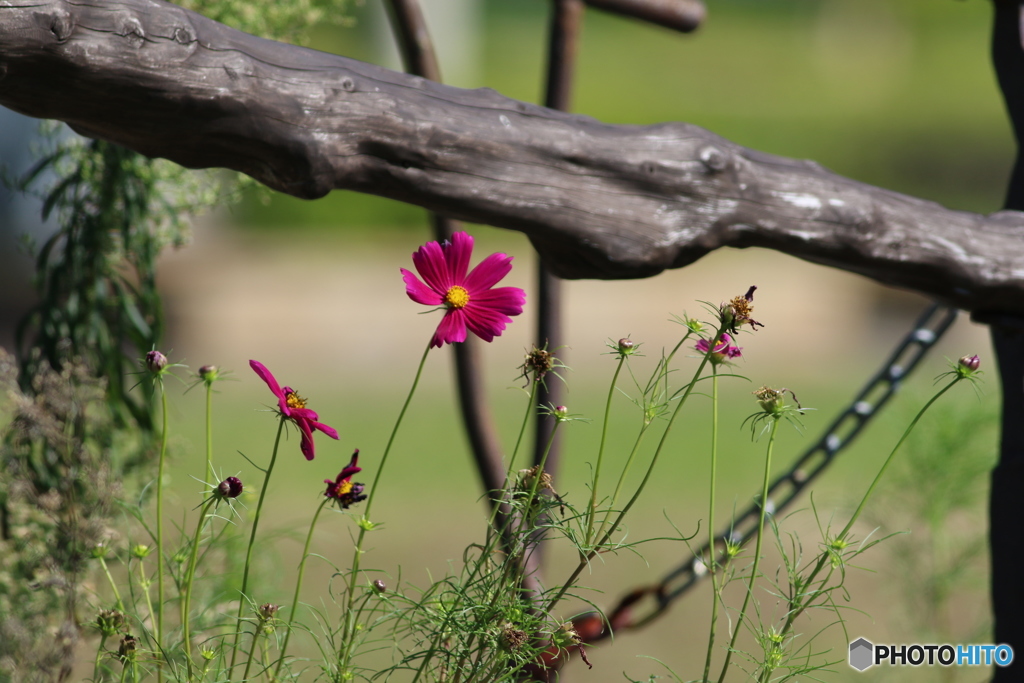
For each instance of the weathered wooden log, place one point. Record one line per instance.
(598, 201)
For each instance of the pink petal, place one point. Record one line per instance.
(326, 429)
(346, 473)
(303, 414)
(451, 329)
(507, 300)
(486, 323)
(268, 377)
(488, 273)
(307, 438)
(432, 267)
(457, 254)
(419, 292)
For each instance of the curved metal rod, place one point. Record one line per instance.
(420, 59)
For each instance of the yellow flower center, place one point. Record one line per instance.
(294, 401)
(456, 297)
(344, 488)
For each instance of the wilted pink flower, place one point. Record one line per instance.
(737, 312)
(342, 489)
(723, 350)
(471, 299)
(294, 408)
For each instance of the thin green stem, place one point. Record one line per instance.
(252, 650)
(522, 426)
(713, 554)
(99, 658)
(146, 582)
(160, 531)
(190, 572)
(492, 533)
(643, 484)
(252, 542)
(113, 586)
(538, 477)
(757, 550)
(622, 478)
(660, 371)
(348, 625)
(298, 588)
(885, 465)
(824, 558)
(209, 433)
(591, 509)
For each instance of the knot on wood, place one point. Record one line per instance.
(347, 84)
(131, 29)
(714, 159)
(183, 35)
(62, 24)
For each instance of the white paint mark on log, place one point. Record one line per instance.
(802, 200)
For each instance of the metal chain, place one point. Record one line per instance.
(929, 328)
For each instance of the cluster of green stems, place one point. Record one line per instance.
(511, 530)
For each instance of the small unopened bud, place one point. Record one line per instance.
(772, 401)
(141, 551)
(99, 550)
(126, 650)
(268, 610)
(110, 622)
(972, 363)
(208, 373)
(155, 361)
(230, 488)
(379, 586)
(561, 411)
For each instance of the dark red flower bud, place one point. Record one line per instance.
(972, 363)
(230, 488)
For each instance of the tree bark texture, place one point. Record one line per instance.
(597, 200)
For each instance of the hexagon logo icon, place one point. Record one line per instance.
(861, 654)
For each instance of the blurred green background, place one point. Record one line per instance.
(898, 93)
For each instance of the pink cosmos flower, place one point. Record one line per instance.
(343, 489)
(294, 408)
(723, 350)
(471, 299)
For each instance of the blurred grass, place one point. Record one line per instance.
(900, 95)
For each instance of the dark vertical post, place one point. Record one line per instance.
(421, 59)
(565, 24)
(1005, 510)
